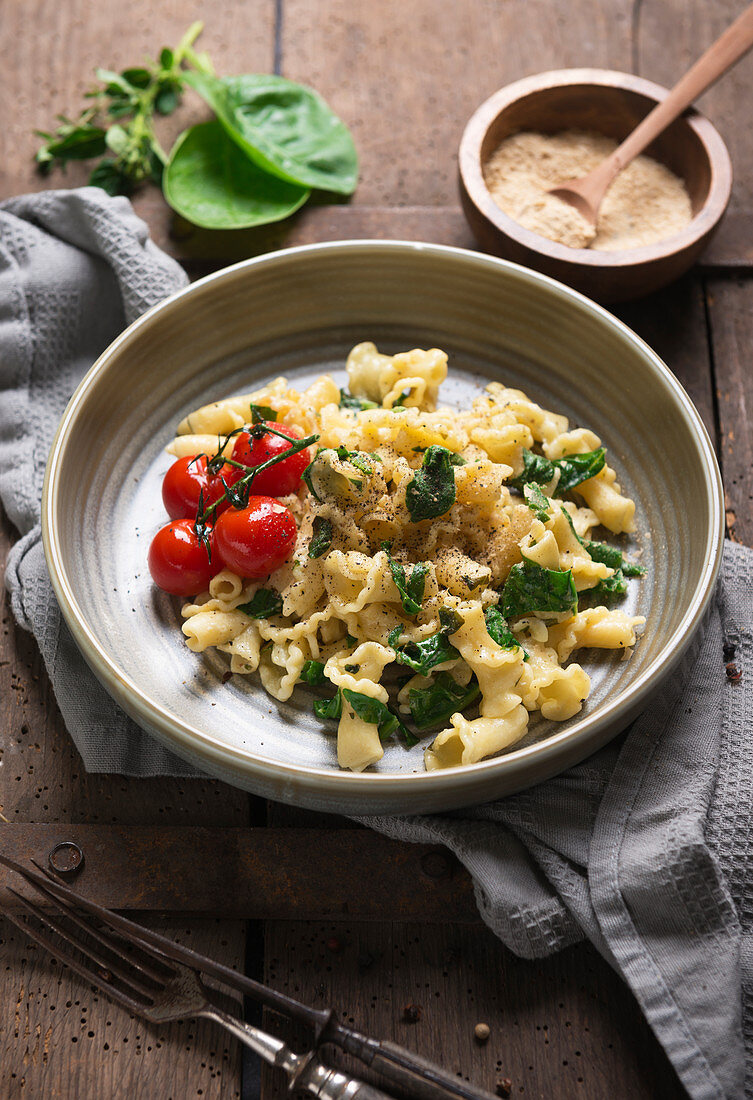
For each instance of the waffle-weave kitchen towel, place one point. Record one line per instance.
(76, 267)
(646, 848)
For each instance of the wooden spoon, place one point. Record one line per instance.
(586, 194)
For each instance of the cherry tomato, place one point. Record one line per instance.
(284, 477)
(178, 562)
(186, 479)
(256, 540)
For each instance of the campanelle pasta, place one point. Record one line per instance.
(452, 547)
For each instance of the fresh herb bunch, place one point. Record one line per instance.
(270, 142)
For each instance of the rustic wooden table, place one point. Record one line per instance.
(403, 929)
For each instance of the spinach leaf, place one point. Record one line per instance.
(499, 631)
(433, 705)
(431, 491)
(321, 539)
(537, 501)
(378, 714)
(536, 470)
(449, 620)
(262, 413)
(610, 587)
(348, 401)
(262, 604)
(411, 590)
(212, 183)
(285, 128)
(529, 587)
(573, 469)
(577, 468)
(329, 710)
(354, 458)
(612, 556)
(313, 673)
(422, 656)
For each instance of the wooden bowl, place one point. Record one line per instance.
(609, 103)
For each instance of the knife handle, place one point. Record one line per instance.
(423, 1079)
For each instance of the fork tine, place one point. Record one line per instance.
(105, 939)
(71, 961)
(95, 956)
(168, 949)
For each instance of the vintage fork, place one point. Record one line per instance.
(409, 1073)
(162, 989)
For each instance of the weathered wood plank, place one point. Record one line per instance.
(563, 1027)
(691, 26)
(343, 873)
(730, 306)
(407, 77)
(60, 1038)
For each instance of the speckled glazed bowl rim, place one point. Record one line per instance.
(469, 159)
(452, 787)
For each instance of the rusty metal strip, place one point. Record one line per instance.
(262, 873)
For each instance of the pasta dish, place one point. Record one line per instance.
(426, 572)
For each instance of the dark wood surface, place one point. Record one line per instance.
(405, 77)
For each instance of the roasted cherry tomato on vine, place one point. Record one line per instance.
(178, 562)
(282, 478)
(186, 479)
(255, 540)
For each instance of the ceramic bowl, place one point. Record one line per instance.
(297, 313)
(609, 103)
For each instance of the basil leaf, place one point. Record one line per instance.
(412, 590)
(425, 655)
(329, 710)
(577, 468)
(499, 631)
(285, 128)
(313, 673)
(537, 502)
(529, 587)
(262, 605)
(210, 181)
(612, 556)
(431, 491)
(321, 539)
(433, 705)
(348, 401)
(378, 714)
(263, 413)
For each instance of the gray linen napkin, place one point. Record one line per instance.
(646, 848)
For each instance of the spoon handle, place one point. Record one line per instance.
(736, 41)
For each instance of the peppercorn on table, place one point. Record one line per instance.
(394, 941)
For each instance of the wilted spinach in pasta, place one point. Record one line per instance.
(443, 571)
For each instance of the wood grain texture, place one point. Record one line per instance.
(690, 26)
(343, 873)
(730, 306)
(407, 77)
(560, 1027)
(61, 1040)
